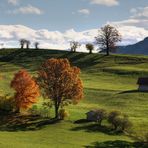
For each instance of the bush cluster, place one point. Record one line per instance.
(119, 122)
(63, 114)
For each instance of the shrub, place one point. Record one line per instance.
(112, 118)
(63, 114)
(33, 110)
(101, 114)
(125, 124)
(42, 111)
(6, 103)
(119, 121)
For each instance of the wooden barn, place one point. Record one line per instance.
(143, 84)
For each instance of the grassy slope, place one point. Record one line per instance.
(110, 83)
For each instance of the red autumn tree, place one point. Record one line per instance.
(60, 83)
(26, 89)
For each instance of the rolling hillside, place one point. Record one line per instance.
(109, 83)
(138, 48)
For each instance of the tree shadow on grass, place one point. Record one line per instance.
(82, 121)
(117, 144)
(88, 59)
(93, 127)
(133, 91)
(24, 123)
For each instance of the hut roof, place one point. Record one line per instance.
(143, 81)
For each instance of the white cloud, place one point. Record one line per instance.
(13, 2)
(132, 34)
(134, 22)
(84, 11)
(140, 13)
(26, 10)
(11, 34)
(138, 18)
(108, 3)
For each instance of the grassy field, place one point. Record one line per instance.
(109, 83)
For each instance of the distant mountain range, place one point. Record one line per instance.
(138, 48)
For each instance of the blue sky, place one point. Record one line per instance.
(58, 17)
(63, 14)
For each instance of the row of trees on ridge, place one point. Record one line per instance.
(107, 39)
(24, 42)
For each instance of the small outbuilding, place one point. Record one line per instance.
(143, 84)
(91, 115)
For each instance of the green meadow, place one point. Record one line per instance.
(110, 82)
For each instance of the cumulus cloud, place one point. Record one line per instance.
(138, 18)
(13, 2)
(132, 34)
(26, 10)
(140, 13)
(134, 22)
(11, 34)
(84, 11)
(108, 3)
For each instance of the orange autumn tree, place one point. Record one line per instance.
(26, 89)
(60, 83)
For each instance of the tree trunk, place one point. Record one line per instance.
(17, 110)
(56, 113)
(22, 46)
(107, 51)
(56, 110)
(90, 51)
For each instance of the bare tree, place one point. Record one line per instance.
(36, 44)
(22, 43)
(107, 38)
(90, 47)
(74, 45)
(28, 44)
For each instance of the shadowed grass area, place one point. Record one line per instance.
(117, 144)
(14, 123)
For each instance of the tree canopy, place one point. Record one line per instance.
(60, 83)
(107, 38)
(26, 89)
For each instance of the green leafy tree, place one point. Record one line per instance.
(90, 47)
(74, 45)
(107, 38)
